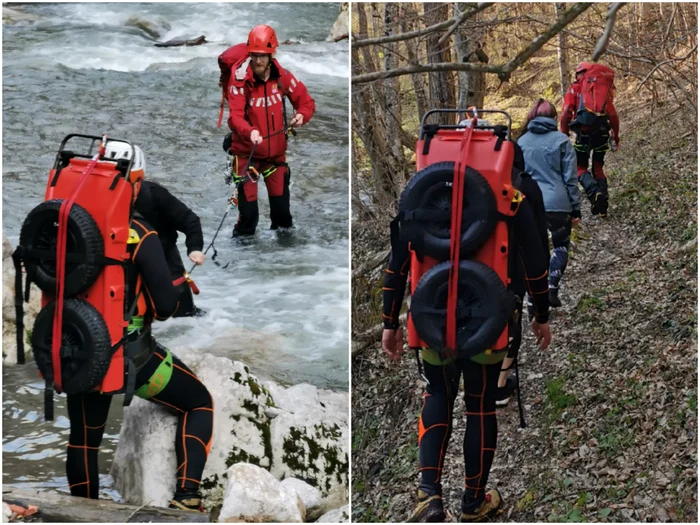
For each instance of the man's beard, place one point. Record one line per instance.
(260, 70)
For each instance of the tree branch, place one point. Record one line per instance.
(541, 40)
(426, 68)
(609, 25)
(418, 32)
(460, 20)
(695, 47)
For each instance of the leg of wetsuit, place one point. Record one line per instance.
(247, 209)
(88, 416)
(186, 396)
(559, 224)
(278, 191)
(583, 152)
(435, 423)
(480, 384)
(185, 306)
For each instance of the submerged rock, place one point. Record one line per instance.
(175, 42)
(154, 29)
(14, 15)
(288, 431)
(254, 495)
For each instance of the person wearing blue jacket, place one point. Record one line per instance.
(551, 160)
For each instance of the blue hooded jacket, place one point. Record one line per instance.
(551, 160)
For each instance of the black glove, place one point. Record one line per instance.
(575, 214)
(227, 142)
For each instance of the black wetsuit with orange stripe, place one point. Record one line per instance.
(183, 394)
(480, 381)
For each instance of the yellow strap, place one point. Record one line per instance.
(133, 237)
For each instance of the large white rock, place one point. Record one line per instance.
(310, 435)
(31, 309)
(6, 513)
(241, 433)
(285, 432)
(341, 25)
(253, 495)
(341, 515)
(311, 496)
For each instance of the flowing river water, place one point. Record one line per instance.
(281, 305)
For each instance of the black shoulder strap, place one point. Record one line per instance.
(19, 306)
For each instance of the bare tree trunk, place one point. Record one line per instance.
(368, 104)
(559, 8)
(441, 84)
(408, 23)
(469, 42)
(392, 98)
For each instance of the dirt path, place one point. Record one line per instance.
(611, 407)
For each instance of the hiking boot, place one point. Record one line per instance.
(488, 508)
(429, 509)
(603, 206)
(554, 301)
(190, 501)
(504, 393)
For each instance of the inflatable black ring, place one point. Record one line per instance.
(40, 232)
(85, 336)
(484, 307)
(431, 189)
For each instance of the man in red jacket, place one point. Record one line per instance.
(591, 140)
(257, 88)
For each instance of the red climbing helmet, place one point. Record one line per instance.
(262, 39)
(582, 67)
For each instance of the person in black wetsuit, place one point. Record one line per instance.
(161, 377)
(169, 215)
(480, 381)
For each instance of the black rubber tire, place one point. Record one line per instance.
(480, 289)
(83, 328)
(40, 231)
(431, 188)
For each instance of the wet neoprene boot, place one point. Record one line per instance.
(593, 191)
(482, 511)
(554, 301)
(429, 509)
(603, 207)
(191, 501)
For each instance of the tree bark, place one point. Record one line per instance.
(408, 16)
(562, 53)
(469, 42)
(441, 92)
(392, 98)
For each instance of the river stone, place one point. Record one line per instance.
(6, 512)
(253, 495)
(31, 309)
(153, 29)
(341, 515)
(341, 24)
(176, 42)
(311, 496)
(245, 431)
(12, 16)
(310, 436)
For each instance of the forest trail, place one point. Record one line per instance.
(611, 406)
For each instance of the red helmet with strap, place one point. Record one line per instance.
(262, 39)
(582, 67)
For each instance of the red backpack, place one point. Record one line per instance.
(597, 88)
(227, 60)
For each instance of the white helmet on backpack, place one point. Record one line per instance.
(121, 150)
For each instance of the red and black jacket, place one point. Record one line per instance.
(256, 104)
